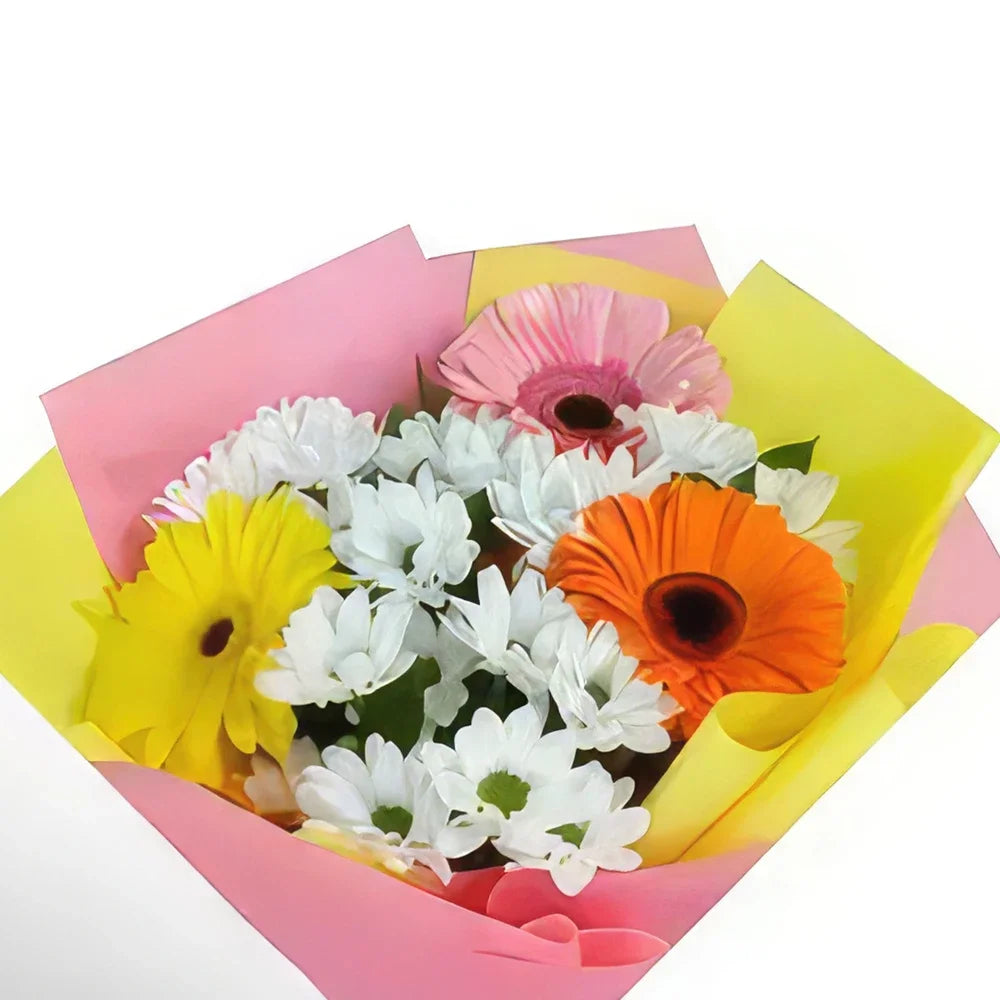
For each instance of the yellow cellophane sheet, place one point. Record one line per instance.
(905, 453)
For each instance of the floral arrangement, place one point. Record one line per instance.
(561, 637)
(473, 634)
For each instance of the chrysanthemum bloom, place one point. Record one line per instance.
(708, 590)
(175, 660)
(567, 356)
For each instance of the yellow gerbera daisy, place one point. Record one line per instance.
(175, 660)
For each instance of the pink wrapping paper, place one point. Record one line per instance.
(353, 931)
(357, 933)
(961, 584)
(128, 428)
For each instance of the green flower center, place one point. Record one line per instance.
(393, 819)
(505, 791)
(571, 833)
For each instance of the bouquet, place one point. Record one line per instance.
(512, 603)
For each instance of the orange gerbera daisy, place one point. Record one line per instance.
(709, 590)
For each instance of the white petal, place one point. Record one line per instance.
(802, 498)
(351, 768)
(328, 796)
(522, 730)
(551, 758)
(388, 631)
(572, 874)
(479, 744)
(457, 791)
(388, 775)
(688, 442)
(456, 841)
(834, 537)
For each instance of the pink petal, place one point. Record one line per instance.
(527, 331)
(685, 370)
(556, 333)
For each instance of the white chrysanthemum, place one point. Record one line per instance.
(336, 649)
(540, 494)
(537, 499)
(305, 443)
(803, 499)
(493, 769)
(228, 467)
(384, 800)
(271, 787)
(688, 442)
(573, 828)
(835, 537)
(405, 538)
(442, 701)
(463, 453)
(592, 684)
(498, 631)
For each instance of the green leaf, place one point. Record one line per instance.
(790, 456)
(432, 396)
(497, 698)
(317, 493)
(745, 481)
(396, 415)
(479, 510)
(484, 531)
(396, 712)
(325, 726)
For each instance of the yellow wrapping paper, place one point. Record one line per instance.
(499, 272)
(905, 453)
(49, 562)
(846, 728)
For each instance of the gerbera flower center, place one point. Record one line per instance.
(695, 614)
(216, 637)
(583, 412)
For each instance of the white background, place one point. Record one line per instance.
(164, 161)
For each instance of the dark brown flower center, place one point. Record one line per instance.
(216, 637)
(695, 614)
(584, 413)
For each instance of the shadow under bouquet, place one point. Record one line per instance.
(539, 597)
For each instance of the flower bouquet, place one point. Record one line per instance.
(522, 599)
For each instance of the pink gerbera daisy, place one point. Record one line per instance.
(567, 356)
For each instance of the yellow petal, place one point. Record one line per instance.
(143, 680)
(499, 272)
(201, 752)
